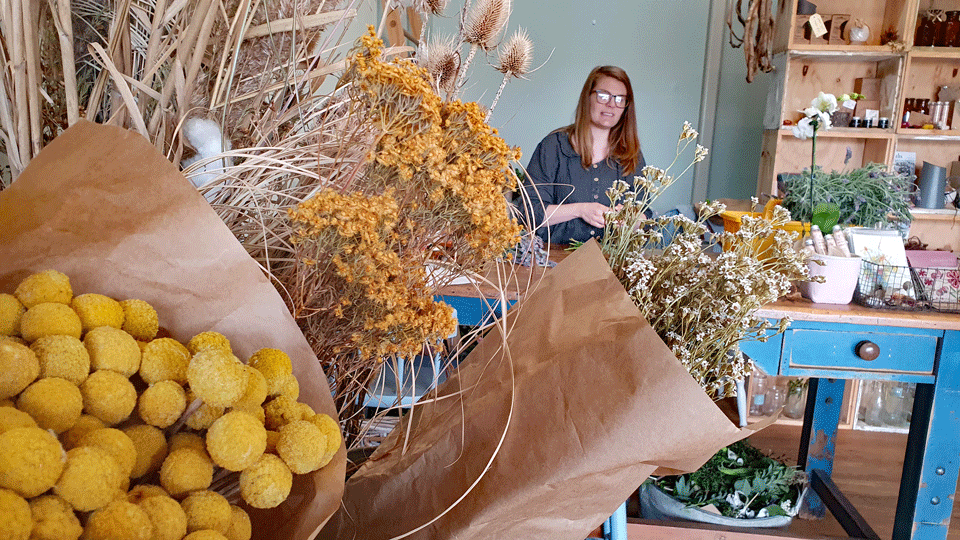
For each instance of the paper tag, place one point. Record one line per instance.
(849, 104)
(817, 26)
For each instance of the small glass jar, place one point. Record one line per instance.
(868, 122)
(883, 123)
(909, 104)
(856, 122)
(796, 402)
(776, 396)
(923, 105)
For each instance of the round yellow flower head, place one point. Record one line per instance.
(168, 518)
(256, 411)
(45, 286)
(151, 449)
(207, 510)
(240, 527)
(15, 519)
(97, 310)
(119, 520)
(49, 319)
(112, 349)
(185, 439)
(302, 446)
(140, 320)
(208, 340)
(275, 366)
(10, 312)
(85, 424)
(109, 396)
(162, 404)
(164, 359)
(217, 377)
(256, 392)
(55, 403)
(31, 461)
(331, 430)
(205, 535)
(204, 416)
(186, 470)
(280, 411)
(266, 483)
(19, 367)
(116, 443)
(62, 356)
(90, 480)
(11, 417)
(53, 519)
(236, 440)
(289, 387)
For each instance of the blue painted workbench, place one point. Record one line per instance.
(833, 343)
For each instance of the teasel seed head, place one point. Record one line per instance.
(442, 60)
(516, 55)
(485, 21)
(430, 7)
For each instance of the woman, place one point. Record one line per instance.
(572, 167)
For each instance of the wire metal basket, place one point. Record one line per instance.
(902, 287)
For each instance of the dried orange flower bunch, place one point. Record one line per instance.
(427, 190)
(109, 430)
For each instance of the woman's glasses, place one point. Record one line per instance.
(603, 98)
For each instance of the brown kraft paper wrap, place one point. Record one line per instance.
(555, 430)
(101, 205)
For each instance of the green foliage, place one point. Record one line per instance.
(741, 473)
(868, 196)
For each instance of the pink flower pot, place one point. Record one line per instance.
(841, 275)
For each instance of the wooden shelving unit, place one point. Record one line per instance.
(805, 68)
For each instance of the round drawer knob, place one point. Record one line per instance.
(868, 350)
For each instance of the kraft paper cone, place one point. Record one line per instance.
(101, 205)
(546, 437)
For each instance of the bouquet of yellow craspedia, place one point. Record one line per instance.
(140, 435)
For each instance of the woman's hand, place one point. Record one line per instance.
(593, 213)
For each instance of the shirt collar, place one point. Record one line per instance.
(566, 147)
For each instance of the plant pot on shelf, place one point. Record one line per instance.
(657, 504)
(841, 275)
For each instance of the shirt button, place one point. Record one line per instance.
(593, 233)
(596, 179)
(596, 196)
(594, 165)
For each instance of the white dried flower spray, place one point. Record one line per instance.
(701, 306)
(514, 60)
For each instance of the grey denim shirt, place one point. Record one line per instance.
(556, 176)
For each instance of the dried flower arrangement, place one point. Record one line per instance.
(342, 196)
(702, 306)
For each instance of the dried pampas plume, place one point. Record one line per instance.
(514, 61)
(441, 59)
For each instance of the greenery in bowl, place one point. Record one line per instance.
(740, 482)
(869, 196)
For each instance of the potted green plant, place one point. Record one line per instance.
(738, 487)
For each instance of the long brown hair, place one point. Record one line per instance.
(624, 144)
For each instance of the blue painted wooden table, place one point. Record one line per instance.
(833, 343)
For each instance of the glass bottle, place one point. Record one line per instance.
(872, 404)
(759, 385)
(894, 399)
(951, 27)
(925, 30)
(776, 396)
(796, 402)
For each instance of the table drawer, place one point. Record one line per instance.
(899, 351)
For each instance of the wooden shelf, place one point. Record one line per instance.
(859, 52)
(848, 133)
(935, 52)
(931, 134)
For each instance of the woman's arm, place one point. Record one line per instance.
(590, 212)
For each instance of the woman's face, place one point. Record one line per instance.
(606, 115)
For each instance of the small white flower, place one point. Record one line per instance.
(763, 513)
(825, 103)
(804, 129)
(734, 500)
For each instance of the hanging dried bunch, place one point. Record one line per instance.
(757, 37)
(514, 60)
(441, 59)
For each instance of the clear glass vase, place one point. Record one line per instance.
(796, 402)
